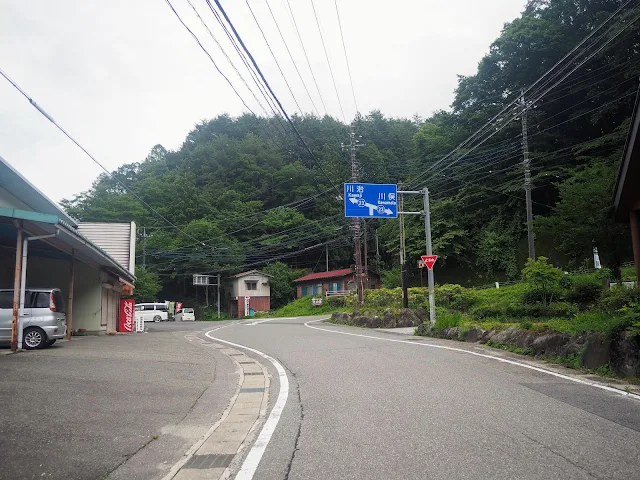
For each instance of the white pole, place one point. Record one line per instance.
(23, 283)
(427, 233)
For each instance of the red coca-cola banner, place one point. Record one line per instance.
(126, 322)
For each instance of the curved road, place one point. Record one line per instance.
(379, 408)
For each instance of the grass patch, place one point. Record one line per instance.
(302, 308)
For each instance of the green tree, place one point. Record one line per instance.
(283, 288)
(543, 279)
(147, 286)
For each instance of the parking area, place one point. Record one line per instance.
(81, 408)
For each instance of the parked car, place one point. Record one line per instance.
(44, 317)
(152, 312)
(186, 314)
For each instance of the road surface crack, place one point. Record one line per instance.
(568, 460)
(300, 420)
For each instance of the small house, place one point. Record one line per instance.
(333, 282)
(250, 293)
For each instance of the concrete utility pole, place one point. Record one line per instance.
(327, 256)
(403, 265)
(353, 146)
(144, 247)
(527, 179)
(366, 253)
(430, 279)
(218, 293)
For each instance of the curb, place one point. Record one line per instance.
(220, 451)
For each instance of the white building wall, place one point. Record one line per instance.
(264, 290)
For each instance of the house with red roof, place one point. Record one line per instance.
(333, 282)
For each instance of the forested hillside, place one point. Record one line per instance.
(251, 194)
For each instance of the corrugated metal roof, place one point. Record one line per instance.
(330, 274)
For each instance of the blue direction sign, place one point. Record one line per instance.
(379, 200)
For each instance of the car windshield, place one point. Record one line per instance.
(187, 310)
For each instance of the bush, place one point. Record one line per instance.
(383, 297)
(531, 294)
(455, 297)
(543, 279)
(585, 290)
(483, 311)
(336, 302)
(446, 319)
(618, 297)
(418, 297)
(561, 310)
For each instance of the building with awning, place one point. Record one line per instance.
(39, 238)
(626, 198)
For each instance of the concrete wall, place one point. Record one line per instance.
(8, 200)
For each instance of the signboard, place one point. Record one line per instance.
(316, 302)
(421, 263)
(178, 306)
(371, 200)
(429, 260)
(246, 306)
(126, 320)
(201, 279)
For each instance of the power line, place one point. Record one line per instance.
(274, 57)
(292, 59)
(295, 24)
(346, 57)
(195, 11)
(48, 117)
(276, 98)
(210, 57)
(326, 54)
(482, 129)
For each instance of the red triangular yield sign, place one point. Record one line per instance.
(429, 260)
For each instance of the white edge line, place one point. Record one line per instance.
(254, 456)
(196, 446)
(499, 359)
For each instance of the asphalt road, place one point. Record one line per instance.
(125, 405)
(377, 409)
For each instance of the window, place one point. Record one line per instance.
(6, 299)
(40, 300)
(305, 291)
(57, 298)
(253, 285)
(138, 308)
(148, 307)
(162, 307)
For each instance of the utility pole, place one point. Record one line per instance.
(218, 293)
(354, 144)
(366, 253)
(430, 279)
(327, 256)
(527, 178)
(144, 247)
(377, 253)
(403, 268)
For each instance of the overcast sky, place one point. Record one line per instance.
(124, 75)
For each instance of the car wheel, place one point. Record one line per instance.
(157, 318)
(51, 342)
(33, 338)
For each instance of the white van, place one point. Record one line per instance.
(152, 312)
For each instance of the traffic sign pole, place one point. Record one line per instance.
(430, 279)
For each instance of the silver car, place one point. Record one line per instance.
(44, 320)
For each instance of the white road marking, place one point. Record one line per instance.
(254, 456)
(257, 322)
(499, 359)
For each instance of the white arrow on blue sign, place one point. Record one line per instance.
(371, 200)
